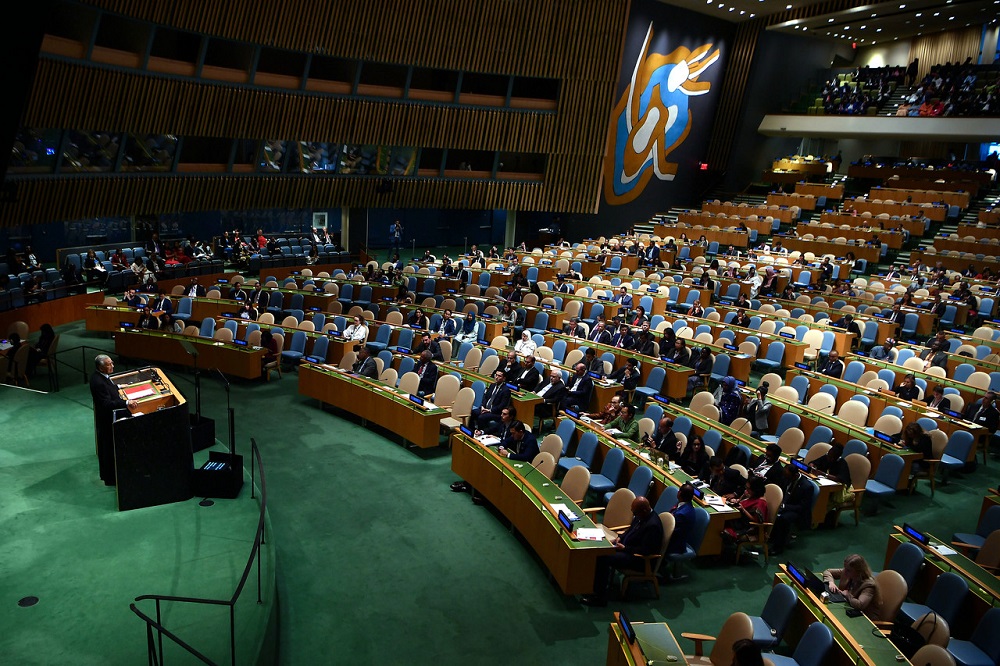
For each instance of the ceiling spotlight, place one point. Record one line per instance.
(752, 15)
(829, 20)
(918, 14)
(878, 29)
(847, 27)
(732, 9)
(951, 18)
(742, 12)
(937, 13)
(804, 28)
(902, 6)
(862, 27)
(788, 6)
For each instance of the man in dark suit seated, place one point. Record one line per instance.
(768, 466)
(724, 481)
(593, 363)
(623, 298)
(495, 399)
(623, 339)
(643, 537)
(365, 366)
(578, 392)
(162, 305)
(563, 287)
(795, 509)
(427, 372)
(848, 324)
(683, 513)
(551, 393)
(195, 290)
(896, 316)
(107, 399)
(522, 445)
(431, 345)
(511, 367)
(833, 367)
(984, 412)
(529, 378)
(600, 334)
(573, 328)
(651, 255)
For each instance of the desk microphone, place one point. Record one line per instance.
(830, 407)
(531, 468)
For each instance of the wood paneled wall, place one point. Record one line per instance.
(103, 99)
(577, 42)
(558, 38)
(76, 197)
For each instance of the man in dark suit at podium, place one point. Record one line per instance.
(106, 401)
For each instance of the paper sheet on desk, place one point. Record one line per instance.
(590, 534)
(565, 509)
(944, 550)
(823, 481)
(489, 440)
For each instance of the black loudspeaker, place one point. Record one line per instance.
(221, 476)
(202, 432)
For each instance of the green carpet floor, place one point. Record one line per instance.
(378, 562)
(66, 543)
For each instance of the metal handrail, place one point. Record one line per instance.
(155, 648)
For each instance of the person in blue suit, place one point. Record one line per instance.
(526, 444)
(683, 513)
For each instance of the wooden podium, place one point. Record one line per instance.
(153, 457)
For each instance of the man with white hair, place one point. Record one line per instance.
(107, 399)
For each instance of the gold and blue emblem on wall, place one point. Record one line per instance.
(652, 118)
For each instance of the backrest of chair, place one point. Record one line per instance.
(891, 591)
(859, 467)
(347, 361)
(947, 595)
(612, 466)
(823, 402)
(778, 608)
(787, 393)
(814, 645)
(576, 482)
(489, 366)
(736, 627)
(586, 448)
(462, 406)
(906, 561)
(619, 509)
(773, 380)
(979, 380)
(701, 398)
(446, 390)
(817, 451)
(889, 424)
(959, 445)
(989, 554)
(854, 411)
(668, 524)
(890, 467)
(409, 383)
(773, 495)
(932, 655)
(791, 441)
(389, 377)
(545, 463)
(552, 444)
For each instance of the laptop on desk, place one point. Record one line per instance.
(812, 582)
